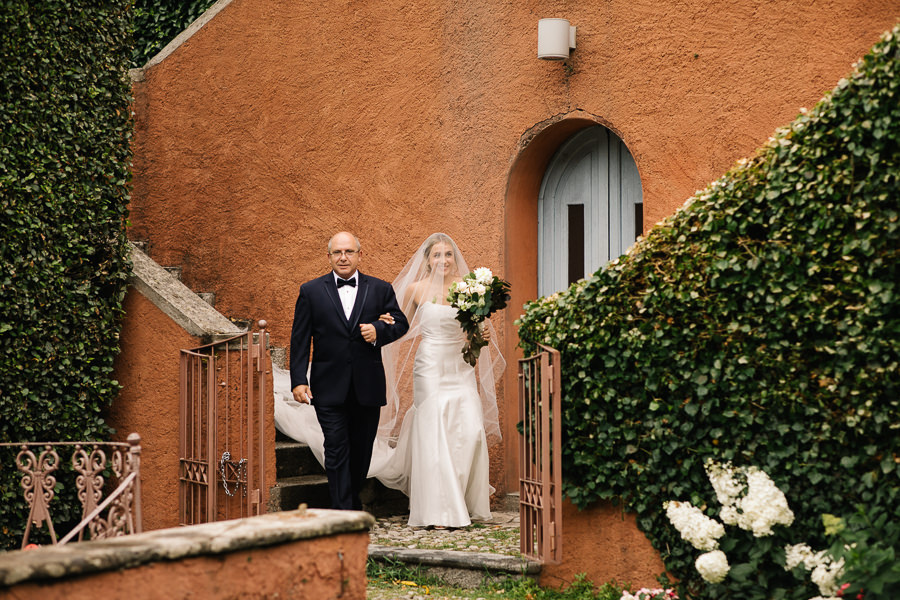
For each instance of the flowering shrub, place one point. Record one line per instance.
(866, 544)
(825, 571)
(749, 500)
(650, 594)
(757, 325)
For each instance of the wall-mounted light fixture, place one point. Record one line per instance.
(555, 38)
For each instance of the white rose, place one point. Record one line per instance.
(483, 275)
(478, 288)
(712, 566)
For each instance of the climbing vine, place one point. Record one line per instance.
(758, 325)
(64, 169)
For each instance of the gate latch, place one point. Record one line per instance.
(239, 466)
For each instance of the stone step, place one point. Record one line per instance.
(458, 568)
(208, 297)
(174, 271)
(382, 501)
(295, 458)
(279, 356)
(301, 479)
(291, 492)
(312, 490)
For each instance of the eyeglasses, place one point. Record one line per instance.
(347, 253)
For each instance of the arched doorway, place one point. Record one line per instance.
(590, 208)
(537, 149)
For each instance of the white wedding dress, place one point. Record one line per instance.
(441, 456)
(448, 453)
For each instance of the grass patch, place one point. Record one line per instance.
(394, 579)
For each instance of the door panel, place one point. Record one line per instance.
(594, 169)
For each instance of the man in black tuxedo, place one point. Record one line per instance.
(340, 313)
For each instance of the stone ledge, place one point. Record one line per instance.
(222, 537)
(479, 561)
(177, 300)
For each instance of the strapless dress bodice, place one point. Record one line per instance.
(438, 322)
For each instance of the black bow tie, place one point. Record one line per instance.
(342, 282)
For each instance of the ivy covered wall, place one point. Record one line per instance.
(64, 170)
(158, 22)
(760, 325)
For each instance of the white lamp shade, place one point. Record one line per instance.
(555, 38)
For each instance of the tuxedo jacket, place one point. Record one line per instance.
(340, 355)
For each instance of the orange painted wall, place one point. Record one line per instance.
(323, 568)
(280, 122)
(606, 545)
(147, 368)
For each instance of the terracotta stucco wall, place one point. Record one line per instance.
(605, 543)
(148, 369)
(323, 568)
(278, 123)
(281, 122)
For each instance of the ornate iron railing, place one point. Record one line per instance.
(97, 467)
(540, 461)
(222, 429)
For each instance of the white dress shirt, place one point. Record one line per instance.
(347, 293)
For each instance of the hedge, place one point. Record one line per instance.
(156, 23)
(758, 325)
(65, 128)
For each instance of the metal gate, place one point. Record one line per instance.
(221, 421)
(540, 464)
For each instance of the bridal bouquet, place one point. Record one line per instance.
(476, 297)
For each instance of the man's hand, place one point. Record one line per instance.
(302, 394)
(368, 332)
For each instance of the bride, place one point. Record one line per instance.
(432, 441)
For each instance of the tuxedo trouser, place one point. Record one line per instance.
(349, 431)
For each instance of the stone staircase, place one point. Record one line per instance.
(300, 479)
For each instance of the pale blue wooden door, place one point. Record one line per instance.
(590, 208)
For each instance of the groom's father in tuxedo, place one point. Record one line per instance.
(340, 313)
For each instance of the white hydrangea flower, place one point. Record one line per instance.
(728, 489)
(712, 566)
(798, 554)
(696, 528)
(827, 574)
(764, 505)
(483, 275)
(755, 506)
